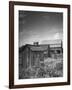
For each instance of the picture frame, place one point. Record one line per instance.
(30, 17)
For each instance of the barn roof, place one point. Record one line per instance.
(39, 48)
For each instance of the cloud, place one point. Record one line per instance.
(57, 36)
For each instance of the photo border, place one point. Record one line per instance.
(11, 44)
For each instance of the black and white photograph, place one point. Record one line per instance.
(39, 47)
(40, 44)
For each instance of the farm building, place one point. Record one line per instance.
(34, 55)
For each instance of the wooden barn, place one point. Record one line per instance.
(34, 55)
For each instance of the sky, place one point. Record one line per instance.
(37, 26)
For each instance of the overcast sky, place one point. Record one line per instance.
(39, 26)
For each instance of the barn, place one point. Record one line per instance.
(35, 54)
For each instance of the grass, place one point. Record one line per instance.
(52, 67)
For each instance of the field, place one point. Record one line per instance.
(51, 67)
